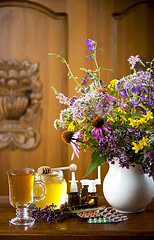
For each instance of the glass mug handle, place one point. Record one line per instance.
(43, 190)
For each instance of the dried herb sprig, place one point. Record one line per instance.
(50, 214)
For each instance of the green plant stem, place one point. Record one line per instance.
(67, 65)
(97, 67)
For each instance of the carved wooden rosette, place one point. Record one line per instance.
(20, 112)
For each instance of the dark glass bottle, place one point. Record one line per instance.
(84, 192)
(73, 199)
(73, 195)
(92, 195)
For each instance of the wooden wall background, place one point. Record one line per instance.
(30, 30)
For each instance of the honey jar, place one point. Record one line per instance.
(56, 189)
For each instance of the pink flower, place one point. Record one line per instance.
(133, 60)
(75, 143)
(122, 104)
(75, 150)
(97, 133)
(110, 98)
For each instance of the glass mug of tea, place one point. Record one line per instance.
(21, 186)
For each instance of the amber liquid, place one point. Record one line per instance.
(55, 193)
(21, 188)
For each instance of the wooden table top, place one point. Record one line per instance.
(138, 226)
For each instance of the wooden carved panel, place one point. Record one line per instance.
(20, 112)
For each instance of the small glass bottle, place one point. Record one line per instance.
(84, 192)
(73, 195)
(92, 195)
(56, 189)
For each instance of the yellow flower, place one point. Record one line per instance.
(110, 119)
(123, 119)
(71, 126)
(133, 122)
(139, 146)
(148, 116)
(143, 142)
(121, 111)
(136, 147)
(82, 120)
(112, 84)
(85, 137)
(142, 121)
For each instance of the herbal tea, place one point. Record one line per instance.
(21, 187)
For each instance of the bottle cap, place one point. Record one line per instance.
(92, 186)
(73, 187)
(85, 182)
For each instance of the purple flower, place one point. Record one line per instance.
(134, 102)
(150, 102)
(123, 93)
(72, 100)
(141, 84)
(144, 76)
(134, 89)
(90, 56)
(152, 95)
(127, 86)
(89, 42)
(144, 97)
(150, 154)
(90, 48)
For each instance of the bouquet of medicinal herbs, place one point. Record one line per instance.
(114, 121)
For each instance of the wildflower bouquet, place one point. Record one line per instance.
(114, 121)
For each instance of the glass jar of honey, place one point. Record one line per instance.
(56, 189)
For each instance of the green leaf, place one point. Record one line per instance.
(95, 162)
(142, 106)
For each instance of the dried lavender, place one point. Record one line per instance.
(50, 214)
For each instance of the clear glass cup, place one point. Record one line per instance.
(21, 185)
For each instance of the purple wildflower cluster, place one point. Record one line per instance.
(90, 105)
(50, 214)
(139, 87)
(118, 143)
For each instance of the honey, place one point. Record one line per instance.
(56, 189)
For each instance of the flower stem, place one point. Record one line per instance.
(70, 74)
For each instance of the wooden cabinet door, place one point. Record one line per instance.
(132, 34)
(29, 31)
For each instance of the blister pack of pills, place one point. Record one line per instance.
(102, 215)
